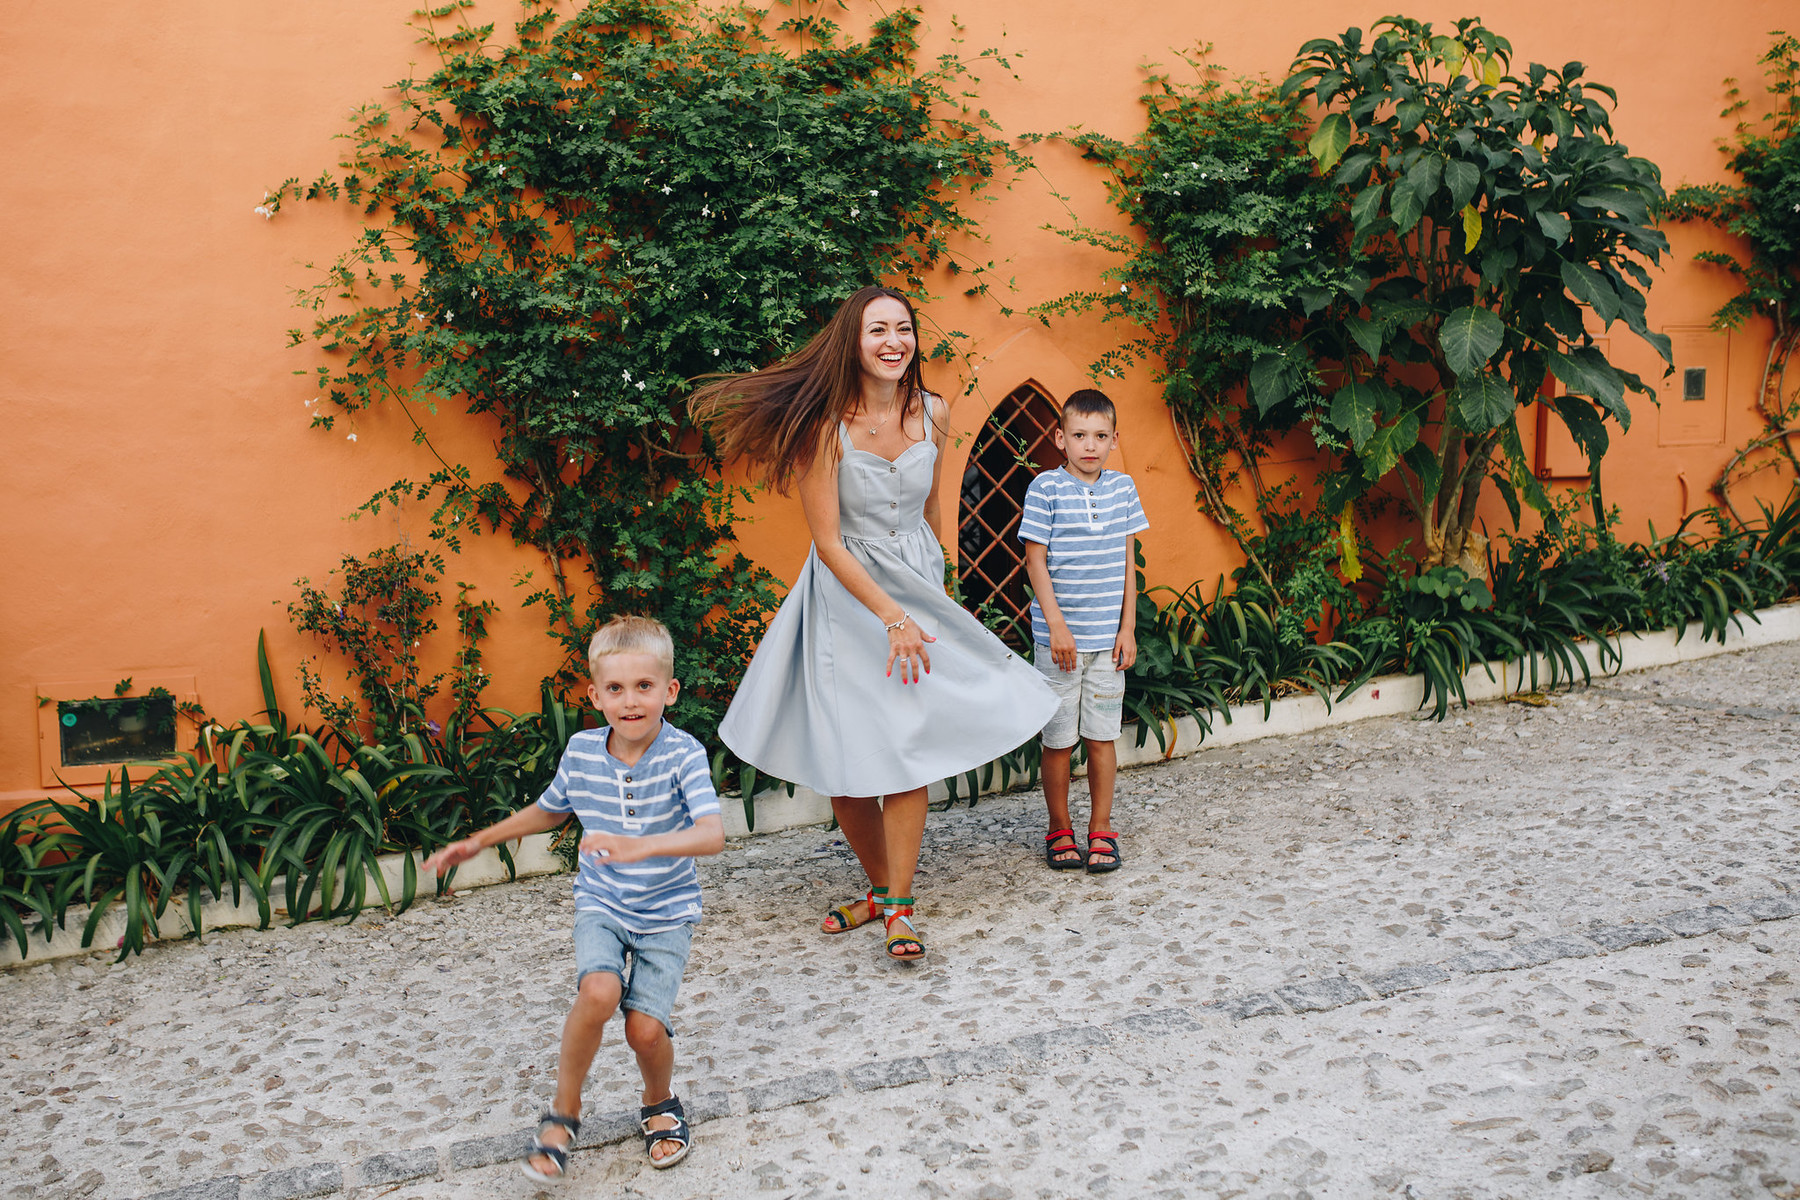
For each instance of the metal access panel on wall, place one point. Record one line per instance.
(1558, 457)
(1691, 411)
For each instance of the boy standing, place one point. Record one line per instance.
(645, 799)
(1079, 526)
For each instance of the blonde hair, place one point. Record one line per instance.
(632, 635)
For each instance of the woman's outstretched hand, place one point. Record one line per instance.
(906, 647)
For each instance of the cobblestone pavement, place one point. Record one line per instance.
(1213, 1020)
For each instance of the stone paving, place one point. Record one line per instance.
(1529, 951)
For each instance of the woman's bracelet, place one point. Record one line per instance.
(904, 618)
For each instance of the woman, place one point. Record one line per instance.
(870, 681)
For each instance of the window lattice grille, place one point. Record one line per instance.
(1014, 446)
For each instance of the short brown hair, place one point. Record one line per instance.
(1088, 402)
(632, 635)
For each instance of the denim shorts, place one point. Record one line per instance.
(657, 961)
(1090, 699)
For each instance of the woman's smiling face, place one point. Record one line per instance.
(888, 339)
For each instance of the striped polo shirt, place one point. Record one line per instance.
(663, 792)
(1086, 527)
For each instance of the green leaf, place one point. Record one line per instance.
(1556, 227)
(1366, 334)
(1584, 425)
(1268, 382)
(1355, 406)
(1524, 479)
(1366, 208)
(1483, 401)
(1591, 288)
(1462, 178)
(1424, 178)
(1586, 372)
(1330, 140)
(1407, 207)
(1470, 337)
(1384, 449)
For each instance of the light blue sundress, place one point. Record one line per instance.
(816, 706)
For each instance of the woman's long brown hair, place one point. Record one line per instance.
(778, 418)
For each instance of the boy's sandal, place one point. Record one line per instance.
(679, 1134)
(1103, 853)
(558, 1155)
(1051, 850)
(846, 917)
(905, 946)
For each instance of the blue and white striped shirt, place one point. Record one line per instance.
(663, 792)
(1086, 527)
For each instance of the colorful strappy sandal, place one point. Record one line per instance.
(906, 946)
(846, 914)
(1109, 851)
(1051, 850)
(558, 1155)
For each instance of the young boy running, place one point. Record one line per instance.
(1079, 526)
(645, 799)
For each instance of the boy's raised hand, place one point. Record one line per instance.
(455, 854)
(1124, 650)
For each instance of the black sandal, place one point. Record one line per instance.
(1051, 850)
(1111, 850)
(558, 1155)
(668, 1108)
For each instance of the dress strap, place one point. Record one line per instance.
(844, 436)
(925, 399)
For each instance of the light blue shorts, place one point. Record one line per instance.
(1090, 699)
(657, 961)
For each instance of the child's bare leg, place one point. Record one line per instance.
(595, 1001)
(1056, 770)
(1102, 774)
(656, 1063)
(860, 819)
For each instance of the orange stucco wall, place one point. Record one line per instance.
(164, 490)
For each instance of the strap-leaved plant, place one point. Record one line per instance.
(1493, 214)
(566, 225)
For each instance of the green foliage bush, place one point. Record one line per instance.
(567, 225)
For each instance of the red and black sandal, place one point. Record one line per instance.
(1051, 850)
(905, 945)
(1109, 858)
(846, 916)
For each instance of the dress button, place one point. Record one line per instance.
(893, 504)
(893, 533)
(892, 470)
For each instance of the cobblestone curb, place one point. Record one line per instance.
(1308, 996)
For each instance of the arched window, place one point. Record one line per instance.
(1014, 446)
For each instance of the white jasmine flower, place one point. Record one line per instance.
(448, 317)
(874, 191)
(854, 212)
(627, 375)
(350, 436)
(640, 385)
(576, 77)
(666, 190)
(705, 210)
(1123, 288)
(940, 164)
(578, 395)
(1308, 246)
(503, 168)
(1193, 166)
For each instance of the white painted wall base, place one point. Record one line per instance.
(1389, 695)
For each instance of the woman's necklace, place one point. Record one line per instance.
(876, 427)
